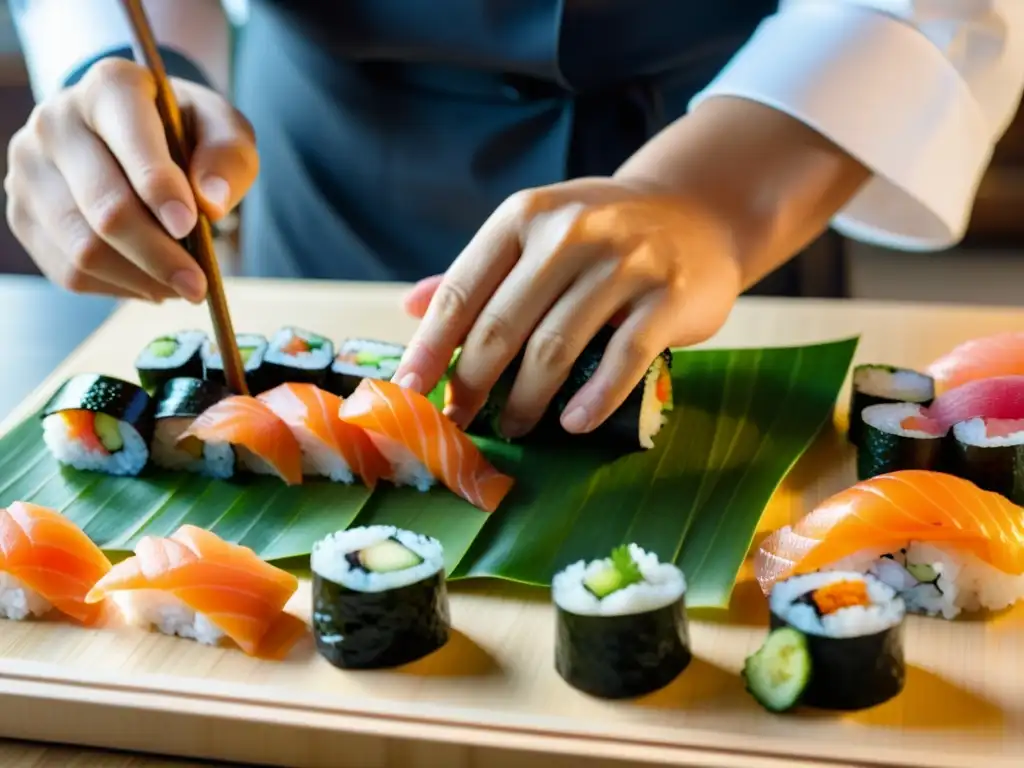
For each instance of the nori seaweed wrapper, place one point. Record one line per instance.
(852, 673)
(374, 630)
(997, 468)
(860, 400)
(115, 397)
(154, 377)
(620, 431)
(881, 452)
(619, 657)
(188, 397)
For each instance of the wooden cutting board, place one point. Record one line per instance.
(492, 696)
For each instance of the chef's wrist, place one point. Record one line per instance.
(775, 181)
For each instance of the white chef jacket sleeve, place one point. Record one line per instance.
(919, 91)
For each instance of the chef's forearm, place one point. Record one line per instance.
(775, 181)
(59, 36)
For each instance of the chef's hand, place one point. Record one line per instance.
(546, 272)
(95, 198)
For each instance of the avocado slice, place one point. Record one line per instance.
(388, 556)
(109, 432)
(163, 347)
(604, 582)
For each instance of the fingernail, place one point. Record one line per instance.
(411, 381)
(575, 420)
(177, 219)
(188, 284)
(216, 191)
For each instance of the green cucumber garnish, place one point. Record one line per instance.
(163, 347)
(620, 574)
(108, 431)
(777, 674)
(388, 556)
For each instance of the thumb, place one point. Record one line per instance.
(418, 298)
(224, 159)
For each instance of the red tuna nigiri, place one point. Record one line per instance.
(48, 562)
(888, 511)
(1001, 354)
(423, 444)
(1001, 397)
(265, 443)
(330, 446)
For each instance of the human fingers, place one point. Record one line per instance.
(224, 161)
(418, 298)
(461, 294)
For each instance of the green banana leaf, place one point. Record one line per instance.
(742, 418)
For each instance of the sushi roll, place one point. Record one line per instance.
(168, 357)
(621, 627)
(252, 347)
(875, 384)
(179, 403)
(898, 436)
(380, 597)
(99, 423)
(360, 359)
(632, 427)
(836, 643)
(297, 355)
(196, 585)
(990, 453)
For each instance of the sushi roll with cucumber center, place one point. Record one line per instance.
(99, 423)
(360, 359)
(877, 384)
(180, 401)
(297, 355)
(172, 356)
(899, 436)
(836, 643)
(621, 627)
(379, 597)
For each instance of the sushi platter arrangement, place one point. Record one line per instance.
(872, 597)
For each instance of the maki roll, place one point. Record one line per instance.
(251, 346)
(99, 423)
(632, 427)
(621, 628)
(990, 453)
(380, 597)
(360, 359)
(169, 357)
(295, 355)
(898, 436)
(178, 404)
(836, 643)
(875, 384)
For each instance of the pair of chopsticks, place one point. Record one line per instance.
(200, 242)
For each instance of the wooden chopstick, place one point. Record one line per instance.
(199, 242)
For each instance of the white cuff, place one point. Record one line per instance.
(881, 90)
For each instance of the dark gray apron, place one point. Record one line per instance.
(390, 129)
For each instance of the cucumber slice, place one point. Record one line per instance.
(245, 353)
(923, 572)
(109, 432)
(388, 556)
(604, 582)
(777, 674)
(163, 347)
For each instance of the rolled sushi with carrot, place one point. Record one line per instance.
(897, 436)
(620, 627)
(359, 359)
(179, 403)
(875, 384)
(295, 355)
(379, 597)
(99, 423)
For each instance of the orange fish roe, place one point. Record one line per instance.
(841, 594)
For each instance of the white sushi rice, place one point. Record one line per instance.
(974, 432)
(129, 460)
(887, 609)
(253, 463)
(894, 385)
(320, 459)
(218, 458)
(663, 584)
(888, 417)
(385, 370)
(652, 411)
(18, 602)
(152, 608)
(315, 359)
(189, 342)
(954, 580)
(328, 560)
(407, 469)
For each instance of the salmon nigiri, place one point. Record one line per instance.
(422, 444)
(1000, 354)
(330, 446)
(196, 585)
(46, 562)
(884, 513)
(264, 442)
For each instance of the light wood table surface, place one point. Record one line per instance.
(965, 696)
